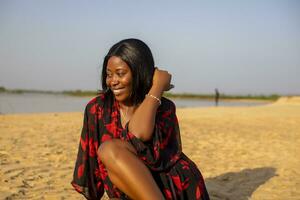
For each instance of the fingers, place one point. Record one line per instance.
(160, 70)
(163, 79)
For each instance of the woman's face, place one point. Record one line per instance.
(119, 79)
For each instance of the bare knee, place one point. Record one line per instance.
(110, 151)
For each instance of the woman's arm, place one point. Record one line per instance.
(142, 122)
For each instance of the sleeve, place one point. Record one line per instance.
(86, 177)
(164, 149)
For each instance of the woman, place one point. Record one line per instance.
(130, 144)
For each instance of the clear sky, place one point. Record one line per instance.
(239, 47)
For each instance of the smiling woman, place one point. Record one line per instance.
(130, 144)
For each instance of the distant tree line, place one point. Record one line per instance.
(167, 94)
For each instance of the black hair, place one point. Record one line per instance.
(138, 57)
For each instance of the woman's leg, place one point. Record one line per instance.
(127, 171)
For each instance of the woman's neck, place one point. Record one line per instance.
(127, 107)
(126, 112)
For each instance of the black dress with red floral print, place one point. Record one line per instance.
(175, 174)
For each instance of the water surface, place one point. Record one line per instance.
(37, 103)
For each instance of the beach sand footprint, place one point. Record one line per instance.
(238, 185)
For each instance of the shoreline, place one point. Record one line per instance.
(91, 94)
(11, 104)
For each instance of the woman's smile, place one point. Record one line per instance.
(118, 91)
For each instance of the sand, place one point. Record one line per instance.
(243, 152)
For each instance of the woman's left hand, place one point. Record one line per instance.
(162, 80)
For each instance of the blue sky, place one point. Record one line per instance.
(240, 47)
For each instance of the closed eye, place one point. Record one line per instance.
(120, 74)
(109, 75)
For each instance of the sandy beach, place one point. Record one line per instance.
(243, 152)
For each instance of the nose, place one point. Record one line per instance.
(114, 80)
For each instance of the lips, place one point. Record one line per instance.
(117, 91)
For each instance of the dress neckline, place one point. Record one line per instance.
(119, 119)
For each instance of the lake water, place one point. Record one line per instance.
(37, 103)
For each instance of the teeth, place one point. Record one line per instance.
(118, 91)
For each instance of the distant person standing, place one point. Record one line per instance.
(217, 96)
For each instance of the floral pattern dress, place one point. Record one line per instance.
(175, 174)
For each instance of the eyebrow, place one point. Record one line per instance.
(118, 69)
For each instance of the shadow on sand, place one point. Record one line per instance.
(238, 185)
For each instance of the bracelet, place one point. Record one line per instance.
(154, 97)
